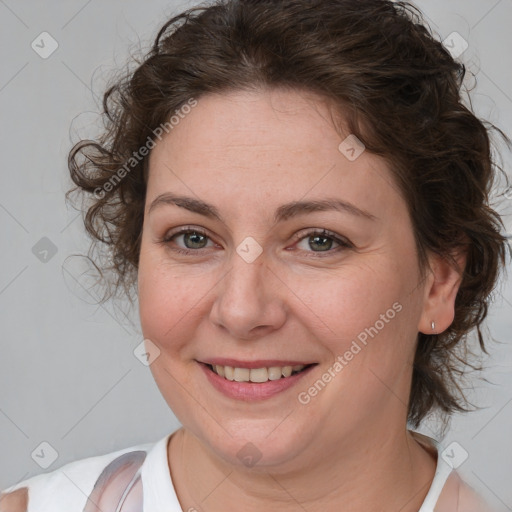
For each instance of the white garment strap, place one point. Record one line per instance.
(443, 471)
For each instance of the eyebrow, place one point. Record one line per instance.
(284, 212)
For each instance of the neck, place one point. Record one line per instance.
(393, 472)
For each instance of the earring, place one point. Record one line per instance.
(433, 325)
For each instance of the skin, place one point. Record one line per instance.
(247, 153)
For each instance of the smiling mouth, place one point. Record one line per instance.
(257, 375)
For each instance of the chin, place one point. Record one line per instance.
(254, 444)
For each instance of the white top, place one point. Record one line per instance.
(123, 480)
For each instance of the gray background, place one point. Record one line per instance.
(68, 374)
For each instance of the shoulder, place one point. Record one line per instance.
(470, 500)
(455, 495)
(458, 496)
(75, 484)
(15, 501)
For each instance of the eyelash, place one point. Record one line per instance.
(343, 243)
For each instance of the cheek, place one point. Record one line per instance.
(168, 297)
(364, 315)
(170, 307)
(343, 303)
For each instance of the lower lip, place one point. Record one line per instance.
(250, 391)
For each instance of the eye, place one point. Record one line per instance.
(192, 240)
(189, 240)
(321, 241)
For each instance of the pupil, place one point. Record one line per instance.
(323, 239)
(194, 239)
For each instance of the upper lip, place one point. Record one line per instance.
(259, 363)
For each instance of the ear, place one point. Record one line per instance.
(441, 287)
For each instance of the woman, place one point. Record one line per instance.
(301, 199)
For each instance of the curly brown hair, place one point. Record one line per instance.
(396, 87)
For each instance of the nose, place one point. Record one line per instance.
(250, 300)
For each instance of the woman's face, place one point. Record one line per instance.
(256, 284)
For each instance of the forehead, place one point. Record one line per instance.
(245, 121)
(268, 144)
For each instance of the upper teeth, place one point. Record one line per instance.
(256, 374)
